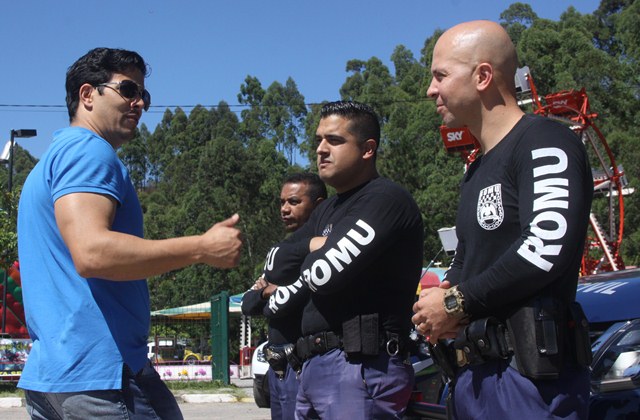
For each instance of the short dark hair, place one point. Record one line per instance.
(316, 190)
(364, 121)
(98, 66)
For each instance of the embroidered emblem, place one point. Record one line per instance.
(490, 211)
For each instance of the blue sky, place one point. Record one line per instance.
(200, 51)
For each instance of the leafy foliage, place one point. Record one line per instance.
(23, 162)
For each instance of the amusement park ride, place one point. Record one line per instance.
(602, 246)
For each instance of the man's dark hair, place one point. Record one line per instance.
(316, 189)
(98, 66)
(364, 121)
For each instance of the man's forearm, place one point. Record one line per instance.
(123, 257)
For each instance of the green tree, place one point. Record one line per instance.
(517, 18)
(253, 124)
(370, 82)
(23, 163)
(8, 235)
(211, 169)
(134, 155)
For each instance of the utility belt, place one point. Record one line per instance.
(361, 336)
(279, 356)
(541, 338)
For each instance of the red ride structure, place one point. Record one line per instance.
(604, 238)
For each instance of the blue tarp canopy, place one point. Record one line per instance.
(197, 310)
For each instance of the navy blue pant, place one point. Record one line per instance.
(332, 387)
(143, 396)
(283, 394)
(494, 390)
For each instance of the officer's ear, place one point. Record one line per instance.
(369, 149)
(483, 76)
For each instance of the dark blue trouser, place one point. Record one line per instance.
(332, 387)
(143, 396)
(283, 394)
(494, 390)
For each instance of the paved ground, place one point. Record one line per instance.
(244, 409)
(202, 411)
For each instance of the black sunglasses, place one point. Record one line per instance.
(130, 90)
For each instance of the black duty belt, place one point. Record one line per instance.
(326, 341)
(318, 343)
(538, 339)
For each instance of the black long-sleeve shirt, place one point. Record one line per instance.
(282, 330)
(522, 219)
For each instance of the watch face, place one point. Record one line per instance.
(450, 302)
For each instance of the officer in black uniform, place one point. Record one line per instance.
(300, 194)
(520, 338)
(359, 259)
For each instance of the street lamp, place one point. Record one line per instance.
(22, 133)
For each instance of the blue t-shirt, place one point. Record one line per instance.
(83, 330)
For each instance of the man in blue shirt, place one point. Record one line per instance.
(84, 260)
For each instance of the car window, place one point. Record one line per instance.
(602, 338)
(620, 358)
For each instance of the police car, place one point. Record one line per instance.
(610, 302)
(259, 368)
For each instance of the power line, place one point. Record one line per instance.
(153, 109)
(162, 108)
(63, 108)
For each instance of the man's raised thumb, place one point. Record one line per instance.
(230, 222)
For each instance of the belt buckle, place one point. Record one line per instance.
(461, 358)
